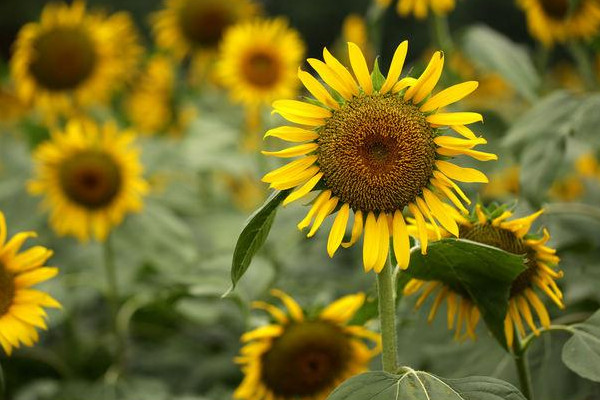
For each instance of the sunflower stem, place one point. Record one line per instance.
(522, 364)
(584, 64)
(2, 384)
(441, 33)
(387, 317)
(112, 295)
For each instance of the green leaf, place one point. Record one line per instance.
(484, 272)
(587, 119)
(550, 117)
(581, 353)
(419, 385)
(493, 51)
(376, 76)
(539, 163)
(254, 235)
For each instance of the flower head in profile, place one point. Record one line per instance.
(421, 8)
(73, 58)
(493, 227)
(303, 357)
(258, 61)
(90, 177)
(22, 307)
(375, 148)
(552, 21)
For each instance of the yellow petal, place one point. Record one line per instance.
(400, 240)
(300, 178)
(293, 151)
(460, 173)
(437, 209)
(264, 332)
(403, 84)
(449, 96)
(357, 229)
(384, 242)
(359, 66)
(303, 190)
(292, 134)
(341, 71)
(290, 170)
(300, 109)
(323, 213)
(421, 227)
(395, 67)
(428, 85)
(457, 118)
(338, 229)
(464, 131)
(343, 309)
(429, 70)
(320, 200)
(2, 229)
(275, 312)
(370, 242)
(34, 277)
(454, 142)
(330, 77)
(478, 155)
(295, 310)
(317, 90)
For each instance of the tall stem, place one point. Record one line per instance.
(441, 31)
(387, 317)
(112, 294)
(520, 357)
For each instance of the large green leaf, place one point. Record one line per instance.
(581, 353)
(587, 119)
(419, 385)
(254, 235)
(484, 272)
(551, 117)
(539, 163)
(492, 51)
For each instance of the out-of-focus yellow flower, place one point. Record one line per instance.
(12, 108)
(73, 58)
(552, 21)
(565, 76)
(503, 184)
(420, 8)
(151, 106)
(570, 188)
(298, 357)
(246, 192)
(21, 306)
(587, 165)
(90, 178)
(354, 29)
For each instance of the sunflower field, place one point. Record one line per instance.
(300, 200)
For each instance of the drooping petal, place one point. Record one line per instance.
(357, 229)
(303, 190)
(370, 242)
(384, 242)
(400, 240)
(338, 229)
(461, 174)
(323, 213)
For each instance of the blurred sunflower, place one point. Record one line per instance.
(259, 59)
(21, 307)
(297, 357)
(493, 228)
(354, 29)
(375, 149)
(151, 106)
(504, 183)
(420, 8)
(90, 178)
(553, 21)
(72, 58)
(572, 187)
(196, 27)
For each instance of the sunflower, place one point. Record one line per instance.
(151, 106)
(196, 27)
(504, 183)
(374, 148)
(493, 228)
(90, 178)
(72, 58)
(21, 307)
(258, 61)
(420, 8)
(298, 357)
(553, 21)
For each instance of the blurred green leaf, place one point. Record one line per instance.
(581, 353)
(586, 120)
(492, 51)
(376, 76)
(419, 385)
(539, 163)
(254, 235)
(484, 272)
(550, 117)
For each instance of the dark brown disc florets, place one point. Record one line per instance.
(377, 153)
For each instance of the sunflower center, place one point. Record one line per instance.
(377, 153)
(557, 9)
(261, 69)
(307, 359)
(203, 23)
(7, 289)
(506, 240)
(91, 179)
(63, 59)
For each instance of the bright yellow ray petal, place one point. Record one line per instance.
(438, 210)
(456, 118)
(330, 77)
(303, 190)
(357, 229)
(293, 151)
(292, 134)
(359, 66)
(370, 242)
(293, 307)
(395, 67)
(428, 85)
(421, 227)
(384, 242)
(317, 90)
(338, 229)
(343, 309)
(300, 109)
(290, 169)
(264, 332)
(275, 312)
(323, 213)
(341, 71)
(400, 240)
(449, 96)
(460, 173)
(319, 201)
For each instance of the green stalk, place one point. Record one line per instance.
(112, 295)
(441, 33)
(584, 64)
(387, 317)
(522, 364)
